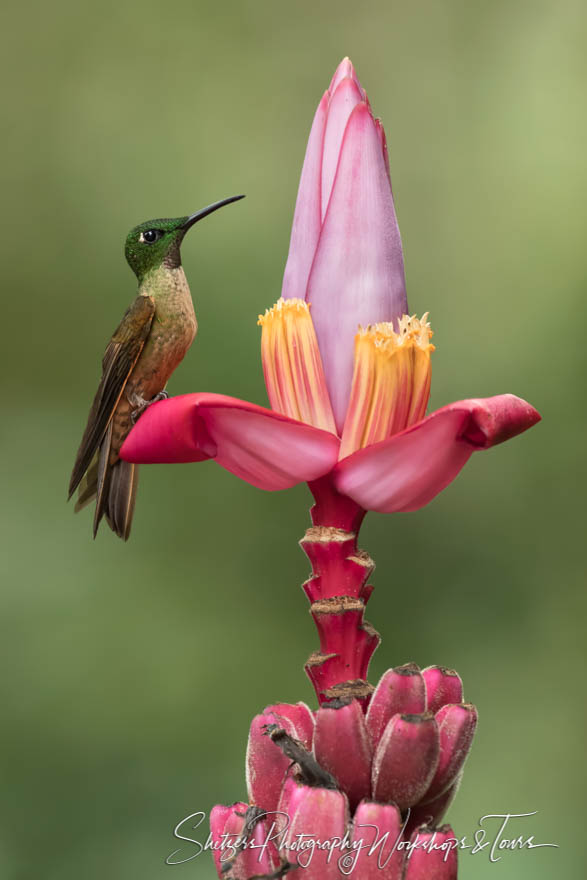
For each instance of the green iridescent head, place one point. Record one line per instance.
(157, 243)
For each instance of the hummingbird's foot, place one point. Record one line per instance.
(140, 404)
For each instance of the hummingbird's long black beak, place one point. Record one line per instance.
(199, 215)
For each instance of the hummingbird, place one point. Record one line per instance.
(149, 343)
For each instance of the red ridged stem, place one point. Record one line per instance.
(338, 592)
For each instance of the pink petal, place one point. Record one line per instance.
(358, 275)
(264, 448)
(378, 828)
(408, 470)
(307, 217)
(342, 103)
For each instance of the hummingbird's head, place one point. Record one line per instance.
(157, 242)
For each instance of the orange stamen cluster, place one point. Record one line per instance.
(391, 381)
(292, 365)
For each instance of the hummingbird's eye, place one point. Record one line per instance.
(150, 235)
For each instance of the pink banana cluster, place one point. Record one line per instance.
(369, 786)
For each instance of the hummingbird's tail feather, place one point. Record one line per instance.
(122, 492)
(89, 486)
(102, 478)
(114, 486)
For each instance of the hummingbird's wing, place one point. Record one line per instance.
(118, 362)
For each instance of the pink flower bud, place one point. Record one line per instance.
(345, 248)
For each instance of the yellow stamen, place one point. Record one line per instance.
(292, 365)
(391, 381)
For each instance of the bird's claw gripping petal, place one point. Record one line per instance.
(141, 405)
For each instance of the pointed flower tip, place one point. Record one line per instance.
(345, 70)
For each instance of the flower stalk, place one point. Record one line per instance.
(338, 592)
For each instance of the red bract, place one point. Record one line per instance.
(340, 776)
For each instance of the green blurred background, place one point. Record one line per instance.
(130, 672)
